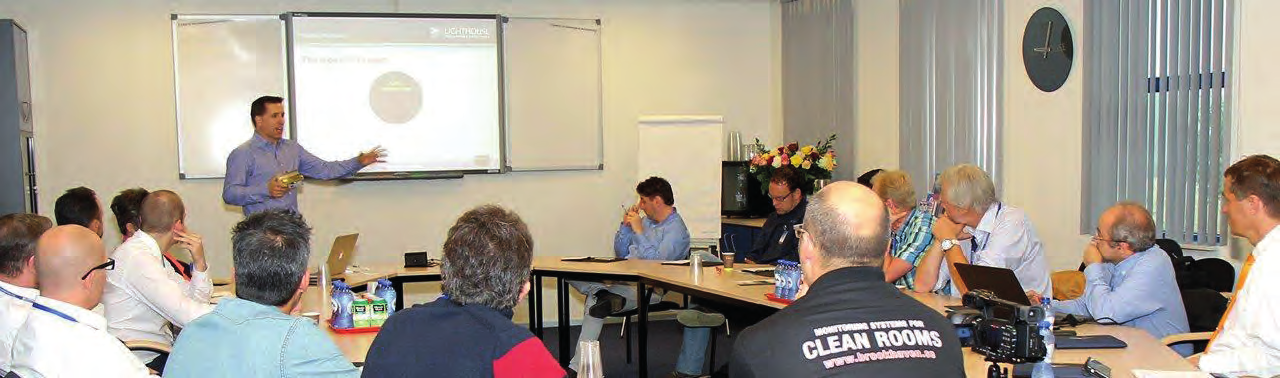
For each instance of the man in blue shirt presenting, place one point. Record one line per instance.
(252, 167)
(1128, 278)
(658, 234)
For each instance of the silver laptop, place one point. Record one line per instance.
(344, 248)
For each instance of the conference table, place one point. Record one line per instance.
(721, 286)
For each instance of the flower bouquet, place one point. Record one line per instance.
(815, 162)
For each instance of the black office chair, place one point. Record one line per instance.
(1216, 274)
(627, 321)
(1170, 247)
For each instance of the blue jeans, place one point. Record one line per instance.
(693, 350)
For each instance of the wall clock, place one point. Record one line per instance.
(1047, 50)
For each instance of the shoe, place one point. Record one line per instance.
(676, 374)
(607, 303)
(700, 318)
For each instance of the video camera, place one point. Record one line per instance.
(1011, 337)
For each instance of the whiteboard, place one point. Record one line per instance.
(221, 64)
(554, 94)
(686, 151)
(552, 78)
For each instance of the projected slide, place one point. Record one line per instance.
(425, 89)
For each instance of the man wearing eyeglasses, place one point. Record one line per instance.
(976, 228)
(63, 337)
(18, 235)
(776, 240)
(841, 253)
(145, 296)
(1128, 279)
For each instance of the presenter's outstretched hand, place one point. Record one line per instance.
(277, 189)
(373, 156)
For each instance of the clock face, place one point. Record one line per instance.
(1047, 50)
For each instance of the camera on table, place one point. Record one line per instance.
(1004, 331)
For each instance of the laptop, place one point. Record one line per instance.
(1000, 281)
(344, 248)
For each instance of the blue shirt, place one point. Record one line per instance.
(246, 339)
(666, 241)
(252, 165)
(910, 241)
(1140, 291)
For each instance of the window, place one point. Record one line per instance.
(1157, 112)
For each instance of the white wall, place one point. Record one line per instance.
(1042, 139)
(1257, 86)
(104, 114)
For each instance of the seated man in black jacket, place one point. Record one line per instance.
(468, 332)
(777, 239)
(851, 322)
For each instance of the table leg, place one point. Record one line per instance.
(535, 305)
(643, 326)
(398, 286)
(562, 302)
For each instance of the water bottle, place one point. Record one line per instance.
(385, 291)
(780, 280)
(1044, 369)
(797, 276)
(342, 299)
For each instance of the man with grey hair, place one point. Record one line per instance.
(270, 250)
(1128, 279)
(842, 244)
(467, 332)
(978, 229)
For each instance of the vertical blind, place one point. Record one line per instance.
(818, 76)
(950, 86)
(1157, 112)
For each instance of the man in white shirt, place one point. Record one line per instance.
(18, 235)
(1247, 341)
(63, 337)
(978, 229)
(145, 295)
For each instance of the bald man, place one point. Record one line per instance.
(18, 235)
(63, 337)
(1128, 279)
(842, 244)
(145, 295)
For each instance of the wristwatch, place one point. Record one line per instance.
(947, 244)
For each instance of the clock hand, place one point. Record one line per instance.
(1048, 32)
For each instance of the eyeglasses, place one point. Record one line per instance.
(800, 231)
(109, 265)
(783, 197)
(1099, 239)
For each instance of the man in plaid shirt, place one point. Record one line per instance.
(911, 227)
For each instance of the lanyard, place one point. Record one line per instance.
(39, 306)
(974, 241)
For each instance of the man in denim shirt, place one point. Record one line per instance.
(660, 234)
(1129, 280)
(253, 333)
